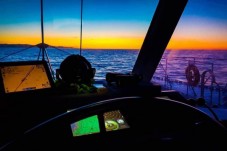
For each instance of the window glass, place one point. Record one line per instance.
(108, 33)
(195, 61)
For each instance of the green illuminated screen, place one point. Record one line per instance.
(86, 126)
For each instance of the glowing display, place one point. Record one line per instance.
(17, 78)
(114, 120)
(86, 126)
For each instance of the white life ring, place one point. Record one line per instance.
(192, 75)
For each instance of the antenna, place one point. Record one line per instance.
(81, 29)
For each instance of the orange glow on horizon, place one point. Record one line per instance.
(10, 39)
(193, 44)
(97, 43)
(87, 42)
(114, 42)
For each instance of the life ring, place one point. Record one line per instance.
(192, 75)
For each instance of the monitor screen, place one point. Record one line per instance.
(114, 120)
(89, 125)
(24, 76)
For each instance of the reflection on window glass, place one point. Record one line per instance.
(194, 62)
(86, 126)
(114, 120)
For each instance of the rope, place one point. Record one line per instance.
(15, 53)
(81, 30)
(61, 50)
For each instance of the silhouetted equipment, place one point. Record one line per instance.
(121, 79)
(76, 69)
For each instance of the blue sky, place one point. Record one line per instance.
(123, 20)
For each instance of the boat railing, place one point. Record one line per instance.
(194, 77)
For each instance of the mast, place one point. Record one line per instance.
(81, 26)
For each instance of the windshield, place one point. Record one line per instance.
(72, 68)
(110, 34)
(195, 61)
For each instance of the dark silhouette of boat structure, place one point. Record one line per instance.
(29, 106)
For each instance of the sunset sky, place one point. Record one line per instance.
(113, 24)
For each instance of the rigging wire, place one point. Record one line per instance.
(61, 50)
(42, 31)
(81, 26)
(16, 52)
(13, 53)
(43, 45)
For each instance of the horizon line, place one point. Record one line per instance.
(136, 49)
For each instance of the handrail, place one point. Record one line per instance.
(175, 73)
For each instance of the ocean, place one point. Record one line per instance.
(103, 60)
(170, 72)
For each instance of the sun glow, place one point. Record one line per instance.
(197, 44)
(88, 42)
(106, 28)
(113, 43)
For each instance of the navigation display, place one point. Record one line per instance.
(114, 120)
(24, 76)
(89, 125)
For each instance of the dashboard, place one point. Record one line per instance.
(120, 123)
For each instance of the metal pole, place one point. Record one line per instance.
(81, 27)
(42, 32)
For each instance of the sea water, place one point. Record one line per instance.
(170, 72)
(103, 60)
